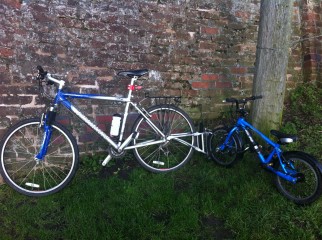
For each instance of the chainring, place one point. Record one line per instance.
(114, 153)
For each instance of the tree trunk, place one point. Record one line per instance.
(271, 63)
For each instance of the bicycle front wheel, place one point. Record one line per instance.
(28, 175)
(174, 152)
(308, 188)
(229, 154)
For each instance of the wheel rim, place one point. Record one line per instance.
(228, 155)
(32, 176)
(304, 189)
(170, 154)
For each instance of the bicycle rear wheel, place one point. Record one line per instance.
(309, 186)
(171, 154)
(228, 156)
(28, 175)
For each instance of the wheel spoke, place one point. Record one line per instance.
(170, 154)
(38, 177)
(308, 188)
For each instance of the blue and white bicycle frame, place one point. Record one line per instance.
(62, 98)
(244, 126)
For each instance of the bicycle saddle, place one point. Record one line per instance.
(284, 138)
(132, 73)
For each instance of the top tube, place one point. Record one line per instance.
(93, 96)
(242, 122)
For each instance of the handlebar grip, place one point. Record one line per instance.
(40, 69)
(257, 97)
(231, 100)
(41, 73)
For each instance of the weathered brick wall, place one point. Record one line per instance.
(203, 50)
(311, 28)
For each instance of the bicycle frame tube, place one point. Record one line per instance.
(61, 98)
(243, 125)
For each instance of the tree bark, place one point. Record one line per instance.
(271, 63)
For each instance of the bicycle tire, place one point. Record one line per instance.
(304, 191)
(28, 176)
(230, 154)
(168, 156)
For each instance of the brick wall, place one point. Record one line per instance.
(311, 28)
(202, 50)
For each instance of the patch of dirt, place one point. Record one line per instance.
(214, 228)
(120, 167)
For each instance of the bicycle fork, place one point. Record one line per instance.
(45, 122)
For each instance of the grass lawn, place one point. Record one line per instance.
(123, 201)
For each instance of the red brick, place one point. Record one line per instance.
(200, 85)
(210, 77)
(209, 30)
(6, 52)
(207, 45)
(224, 85)
(103, 119)
(102, 127)
(239, 70)
(242, 14)
(309, 64)
(64, 121)
(311, 17)
(12, 3)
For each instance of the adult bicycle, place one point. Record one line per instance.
(39, 156)
(298, 174)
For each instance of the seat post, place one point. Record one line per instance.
(133, 79)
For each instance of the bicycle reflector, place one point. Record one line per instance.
(134, 87)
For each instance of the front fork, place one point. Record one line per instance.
(46, 123)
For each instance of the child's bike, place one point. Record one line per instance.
(298, 174)
(39, 156)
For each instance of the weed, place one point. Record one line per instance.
(302, 116)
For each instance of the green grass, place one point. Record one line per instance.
(200, 201)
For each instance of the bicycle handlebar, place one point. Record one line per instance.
(242, 101)
(43, 75)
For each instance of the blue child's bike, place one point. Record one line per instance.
(298, 174)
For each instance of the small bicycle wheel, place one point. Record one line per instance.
(308, 188)
(171, 154)
(229, 154)
(28, 175)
